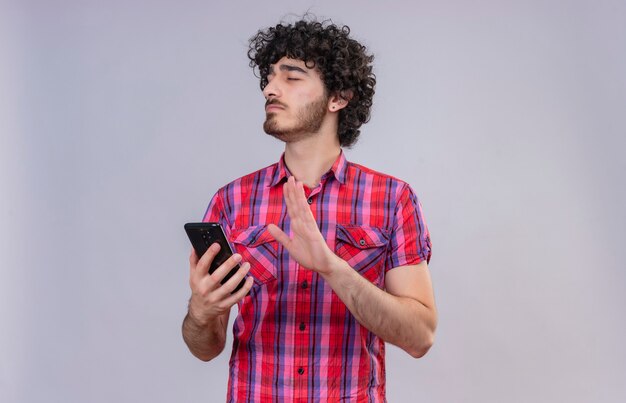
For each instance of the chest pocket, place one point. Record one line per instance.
(364, 249)
(257, 247)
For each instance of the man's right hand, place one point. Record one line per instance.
(210, 299)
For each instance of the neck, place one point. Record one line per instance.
(310, 158)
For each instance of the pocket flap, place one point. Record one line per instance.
(251, 236)
(362, 237)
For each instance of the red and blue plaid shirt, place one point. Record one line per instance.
(294, 339)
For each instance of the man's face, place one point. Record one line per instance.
(296, 101)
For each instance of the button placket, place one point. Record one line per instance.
(302, 322)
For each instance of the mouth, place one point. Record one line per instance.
(273, 106)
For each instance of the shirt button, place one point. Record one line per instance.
(302, 326)
(301, 371)
(310, 200)
(362, 242)
(304, 285)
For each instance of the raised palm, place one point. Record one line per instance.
(307, 246)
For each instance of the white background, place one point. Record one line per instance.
(120, 119)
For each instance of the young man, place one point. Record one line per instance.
(335, 254)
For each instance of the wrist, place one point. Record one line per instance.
(335, 267)
(198, 319)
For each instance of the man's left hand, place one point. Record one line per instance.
(307, 246)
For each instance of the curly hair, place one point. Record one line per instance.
(344, 65)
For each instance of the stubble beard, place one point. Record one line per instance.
(309, 121)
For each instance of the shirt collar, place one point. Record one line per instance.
(338, 169)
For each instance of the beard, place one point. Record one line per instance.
(309, 120)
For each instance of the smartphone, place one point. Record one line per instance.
(204, 234)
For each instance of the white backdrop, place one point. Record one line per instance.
(120, 119)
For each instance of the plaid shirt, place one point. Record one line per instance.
(294, 339)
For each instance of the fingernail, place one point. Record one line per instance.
(237, 257)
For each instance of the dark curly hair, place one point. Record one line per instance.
(344, 65)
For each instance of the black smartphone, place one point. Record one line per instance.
(204, 234)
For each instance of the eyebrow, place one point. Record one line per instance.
(288, 67)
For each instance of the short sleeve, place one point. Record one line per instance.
(410, 240)
(215, 213)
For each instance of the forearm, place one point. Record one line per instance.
(205, 340)
(402, 321)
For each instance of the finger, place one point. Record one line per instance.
(300, 195)
(279, 235)
(288, 194)
(193, 262)
(218, 275)
(301, 208)
(293, 197)
(201, 268)
(303, 205)
(193, 258)
(232, 283)
(239, 295)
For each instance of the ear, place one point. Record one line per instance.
(340, 100)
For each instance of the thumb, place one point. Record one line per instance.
(278, 234)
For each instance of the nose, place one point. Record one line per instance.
(272, 89)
